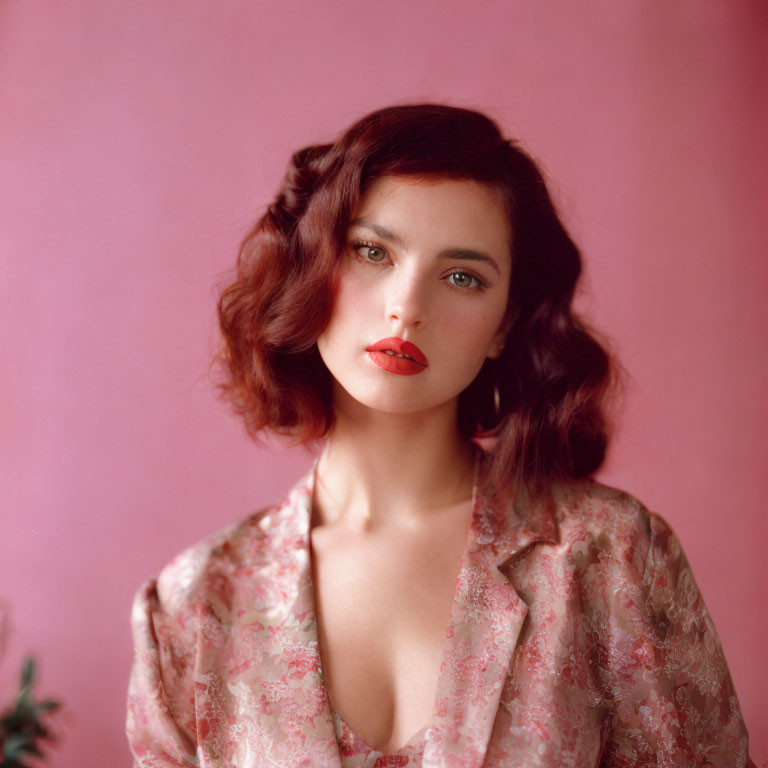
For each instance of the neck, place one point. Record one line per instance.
(381, 470)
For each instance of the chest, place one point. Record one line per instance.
(383, 605)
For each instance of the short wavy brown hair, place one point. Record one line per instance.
(553, 376)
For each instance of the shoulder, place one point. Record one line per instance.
(184, 574)
(611, 526)
(253, 544)
(254, 556)
(224, 553)
(589, 507)
(177, 584)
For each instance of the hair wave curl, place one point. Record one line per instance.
(554, 377)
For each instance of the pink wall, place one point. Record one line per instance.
(139, 140)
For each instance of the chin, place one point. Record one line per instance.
(401, 403)
(353, 398)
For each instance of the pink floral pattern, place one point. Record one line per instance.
(355, 753)
(577, 638)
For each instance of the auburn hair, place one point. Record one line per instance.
(553, 377)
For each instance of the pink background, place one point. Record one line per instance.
(139, 140)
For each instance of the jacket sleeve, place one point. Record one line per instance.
(160, 723)
(672, 699)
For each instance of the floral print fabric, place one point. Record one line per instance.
(355, 753)
(577, 638)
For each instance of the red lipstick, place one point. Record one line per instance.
(397, 356)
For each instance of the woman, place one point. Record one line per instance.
(447, 586)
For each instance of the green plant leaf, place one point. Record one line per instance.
(28, 672)
(21, 729)
(14, 745)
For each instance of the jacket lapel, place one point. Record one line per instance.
(293, 717)
(279, 687)
(486, 620)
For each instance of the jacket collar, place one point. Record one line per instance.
(487, 616)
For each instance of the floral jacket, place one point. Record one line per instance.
(577, 638)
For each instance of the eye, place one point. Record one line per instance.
(370, 252)
(466, 281)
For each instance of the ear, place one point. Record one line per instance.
(500, 339)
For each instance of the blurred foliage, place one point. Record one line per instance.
(21, 726)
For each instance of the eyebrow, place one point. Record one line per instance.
(448, 253)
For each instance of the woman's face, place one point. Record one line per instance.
(426, 262)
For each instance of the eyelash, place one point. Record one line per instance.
(481, 284)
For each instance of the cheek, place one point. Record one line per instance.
(469, 333)
(352, 296)
(347, 314)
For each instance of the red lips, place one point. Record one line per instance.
(415, 361)
(403, 347)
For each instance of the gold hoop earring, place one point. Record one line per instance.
(496, 400)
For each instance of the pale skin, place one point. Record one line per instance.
(393, 491)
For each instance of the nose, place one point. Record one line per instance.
(407, 300)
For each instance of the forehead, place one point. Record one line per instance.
(457, 212)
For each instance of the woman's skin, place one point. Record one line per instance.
(392, 501)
